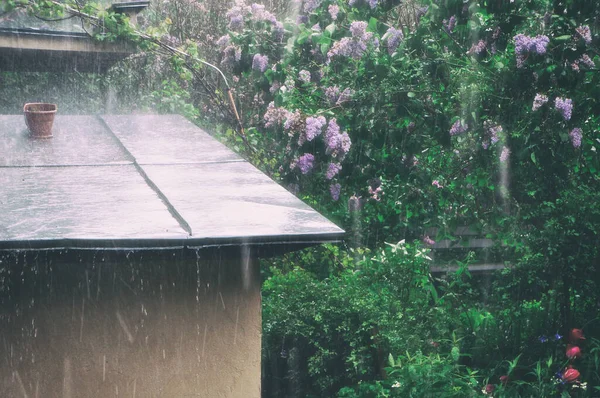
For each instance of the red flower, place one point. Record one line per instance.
(570, 375)
(489, 388)
(576, 335)
(504, 379)
(573, 352)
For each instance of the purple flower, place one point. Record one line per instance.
(304, 76)
(314, 127)
(311, 5)
(275, 116)
(543, 339)
(450, 24)
(585, 33)
(564, 106)
(332, 170)
(587, 61)
(223, 41)
(477, 48)
(492, 134)
(504, 155)
(428, 241)
(345, 96)
(576, 135)
(458, 128)
(358, 29)
(259, 62)
(557, 337)
(333, 11)
(334, 191)
(332, 94)
(538, 101)
(525, 45)
(275, 87)
(575, 66)
(337, 144)
(231, 55)
(393, 36)
(236, 17)
(306, 163)
(302, 19)
(437, 184)
(292, 121)
(373, 3)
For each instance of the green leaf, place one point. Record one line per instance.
(411, 94)
(563, 38)
(391, 360)
(533, 159)
(373, 24)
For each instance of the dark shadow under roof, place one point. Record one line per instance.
(142, 181)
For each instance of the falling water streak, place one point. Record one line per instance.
(246, 267)
(81, 323)
(37, 388)
(18, 377)
(67, 379)
(204, 339)
(103, 368)
(134, 386)
(98, 286)
(222, 301)
(87, 284)
(237, 319)
(124, 327)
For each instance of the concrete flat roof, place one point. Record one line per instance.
(140, 181)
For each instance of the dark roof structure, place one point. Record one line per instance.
(32, 44)
(141, 181)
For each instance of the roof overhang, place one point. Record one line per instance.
(35, 50)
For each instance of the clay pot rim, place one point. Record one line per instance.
(39, 103)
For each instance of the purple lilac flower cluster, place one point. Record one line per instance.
(576, 135)
(334, 191)
(585, 33)
(449, 24)
(564, 106)
(293, 122)
(231, 55)
(278, 32)
(458, 128)
(393, 37)
(304, 76)
(314, 127)
(311, 5)
(334, 10)
(477, 48)
(428, 241)
(587, 61)
(492, 134)
(260, 14)
(259, 62)
(306, 163)
(337, 144)
(504, 154)
(236, 17)
(332, 170)
(332, 94)
(355, 46)
(345, 96)
(275, 115)
(223, 41)
(538, 101)
(525, 45)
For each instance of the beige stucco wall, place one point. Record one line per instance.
(142, 325)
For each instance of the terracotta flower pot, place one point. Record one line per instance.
(39, 118)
